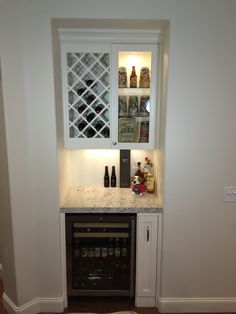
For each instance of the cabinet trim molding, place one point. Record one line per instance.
(83, 35)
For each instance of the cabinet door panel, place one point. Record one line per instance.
(86, 90)
(134, 104)
(146, 255)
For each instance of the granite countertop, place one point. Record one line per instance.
(98, 199)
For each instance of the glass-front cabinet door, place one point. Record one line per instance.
(134, 100)
(86, 76)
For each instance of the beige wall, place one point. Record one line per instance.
(199, 255)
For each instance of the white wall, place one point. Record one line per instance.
(199, 228)
(7, 265)
(21, 218)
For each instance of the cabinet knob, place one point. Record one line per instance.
(114, 143)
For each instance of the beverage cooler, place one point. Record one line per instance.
(100, 254)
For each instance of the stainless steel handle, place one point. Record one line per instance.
(147, 234)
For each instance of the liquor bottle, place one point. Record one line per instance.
(139, 171)
(150, 180)
(106, 177)
(113, 177)
(133, 78)
(146, 168)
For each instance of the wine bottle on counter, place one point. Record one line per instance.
(113, 177)
(106, 177)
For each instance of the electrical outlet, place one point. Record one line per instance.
(230, 194)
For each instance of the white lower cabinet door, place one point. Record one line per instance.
(146, 260)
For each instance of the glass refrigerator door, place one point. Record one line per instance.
(135, 84)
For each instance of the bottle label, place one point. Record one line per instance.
(104, 252)
(97, 252)
(110, 251)
(150, 184)
(133, 81)
(117, 252)
(124, 251)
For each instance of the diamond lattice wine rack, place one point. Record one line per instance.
(88, 82)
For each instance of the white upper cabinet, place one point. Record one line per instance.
(109, 91)
(134, 101)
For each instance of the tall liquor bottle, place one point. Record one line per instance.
(150, 180)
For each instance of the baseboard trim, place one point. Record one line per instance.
(196, 305)
(145, 301)
(39, 305)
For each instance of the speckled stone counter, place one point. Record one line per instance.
(83, 199)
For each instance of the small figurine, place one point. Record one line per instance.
(137, 185)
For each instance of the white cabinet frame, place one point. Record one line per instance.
(148, 256)
(139, 39)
